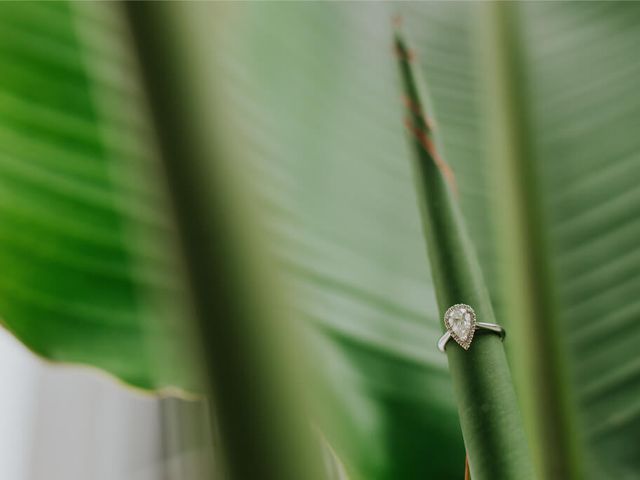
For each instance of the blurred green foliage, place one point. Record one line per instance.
(310, 101)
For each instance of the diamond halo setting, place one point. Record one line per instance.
(460, 320)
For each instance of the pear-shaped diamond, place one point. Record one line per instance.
(460, 320)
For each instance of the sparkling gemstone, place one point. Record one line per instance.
(460, 320)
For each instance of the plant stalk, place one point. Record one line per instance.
(539, 360)
(489, 415)
(249, 347)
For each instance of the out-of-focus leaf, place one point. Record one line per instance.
(74, 274)
(307, 93)
(333, 465)
(528, 283)
(313, 105)
(73, 115)
(254, 354)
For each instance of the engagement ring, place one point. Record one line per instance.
(461, 324)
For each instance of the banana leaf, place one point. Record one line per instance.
(310, 100)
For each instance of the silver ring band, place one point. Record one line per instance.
(460, 320)
(442, 343)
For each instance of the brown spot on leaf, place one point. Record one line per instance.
(426, 143)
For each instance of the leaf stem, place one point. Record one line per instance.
(489, 415)
(249, 346)
(528, 281)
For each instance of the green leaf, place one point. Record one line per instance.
(109, 269)
(313, 110)
(253, 354)
(72, 281)
(529, 284)
(306, 95)
(489, 415)
(564, 206)
(580, 133)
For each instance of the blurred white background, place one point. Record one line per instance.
(75, 423)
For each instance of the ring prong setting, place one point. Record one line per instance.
(460, 320)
